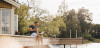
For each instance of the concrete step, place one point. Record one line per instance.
(46, 46)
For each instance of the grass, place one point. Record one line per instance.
(86, 41)
(95, 41)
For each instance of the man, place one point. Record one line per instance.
(33, 29)
(34, 32)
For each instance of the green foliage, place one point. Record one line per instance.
(88, 37)
(80, 21)
(22, 13)
(86, 41)
(72, 23)
(85, 19)
(95, 31)
(51, 27)
(97, 40)
(56, 23)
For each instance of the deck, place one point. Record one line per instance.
(28, 41)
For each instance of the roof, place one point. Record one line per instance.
(13, 3)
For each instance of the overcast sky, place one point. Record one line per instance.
(92, 5)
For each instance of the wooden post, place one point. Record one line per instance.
(76, 33)
(70, 33)
(76, 45)
(64, 45)
(70, 45)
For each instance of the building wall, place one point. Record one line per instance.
(0, 23)
(5, 4)
(11, 5)
(12, 20)
(5, 15)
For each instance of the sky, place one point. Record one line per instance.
(53, 5)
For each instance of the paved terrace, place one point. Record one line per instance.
(27, 41)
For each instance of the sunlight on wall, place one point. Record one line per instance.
(7, 42)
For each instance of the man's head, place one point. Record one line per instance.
(36, 23)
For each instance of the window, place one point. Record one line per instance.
(6, 16)
(5, 30)
(16, 22)
(5, 23)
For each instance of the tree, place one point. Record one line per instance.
(62, 8)
(59, 24)
(95, 31)
(72, 23)
(35, 10)
(22, 13)
(85, 19)
(50, 25)
(61, 14)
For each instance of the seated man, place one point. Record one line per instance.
(33, 29)
(34, 32)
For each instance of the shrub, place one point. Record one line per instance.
(88, 37)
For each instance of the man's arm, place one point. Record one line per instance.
(30, 29)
